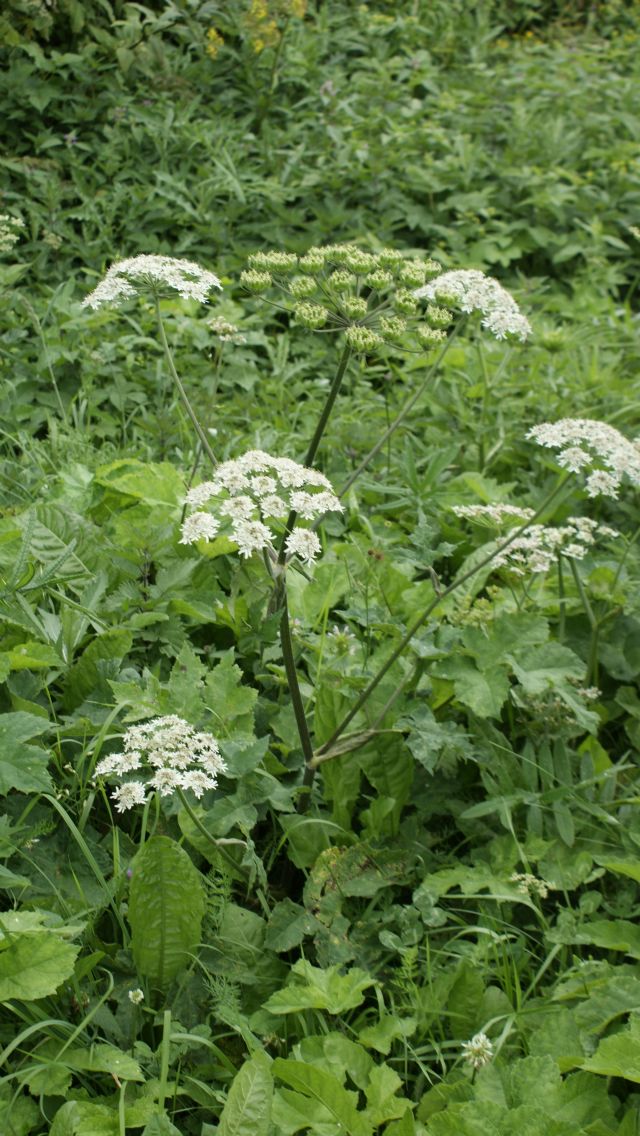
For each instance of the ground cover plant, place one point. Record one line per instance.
(319, 569)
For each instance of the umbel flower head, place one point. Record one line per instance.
(367, 296)
(153, 274)
(163, 755)
(249, 500)
(592, 447)
(537, 549)
(472, 291)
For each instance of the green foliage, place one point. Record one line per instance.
(255, 959)
(166, 908)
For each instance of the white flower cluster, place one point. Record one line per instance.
(127, 278)
(587, 444)
(256, 488)
(497, 514)
(478, 1051)
(472, 291)
(539, 546)
(166, 754)
(529, 884)
(9, 231)
(225, 331)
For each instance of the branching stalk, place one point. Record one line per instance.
(417, 624)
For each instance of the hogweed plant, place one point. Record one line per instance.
(154, 277)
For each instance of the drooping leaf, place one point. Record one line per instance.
(619, 1055)
(166, 908)
(326, 1089)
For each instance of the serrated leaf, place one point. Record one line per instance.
(382, 1033)
(247, 1111)
(84, 675)
(229, 698)
(320, 989)
(288, 925)
(22, 767)
(166, 908)
(156, 483)
(327, 1090)
(33, 966)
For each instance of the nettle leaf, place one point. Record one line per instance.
(320, 989)
(166, 908)
(33, 965)
(327, 1090)
(247, 1111)
(23, 767)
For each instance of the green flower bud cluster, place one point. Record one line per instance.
(366, 295)
(312, 316)
(256, 281)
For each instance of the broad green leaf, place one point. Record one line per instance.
(33, 656)
(166, 907)
(33, 966)
(546, 667)
(81, 1118)
(83, 677)
(380, 1035)
(230, 700)
(247, 1111)
(18, 1115)
(619, 1055)
(382, 1102)
(156, 483)
(610, 934)
(160, 1125)
(22, 767)
(484, 692)
(326, 1089)
(288, 925)
(102, 1058)
(320, 989)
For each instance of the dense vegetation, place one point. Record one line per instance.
(405, 900)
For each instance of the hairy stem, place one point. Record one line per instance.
(204, 441)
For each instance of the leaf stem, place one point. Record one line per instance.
(217, 843)
(317, 436)
(204, 441)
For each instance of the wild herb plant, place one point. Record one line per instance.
(408, 903)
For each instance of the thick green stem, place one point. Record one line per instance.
(204, 441)
(402, 413)
(286, 643)
(317, 436)
(417, 624)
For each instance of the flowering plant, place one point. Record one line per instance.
(251, 497)
(165, 754)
